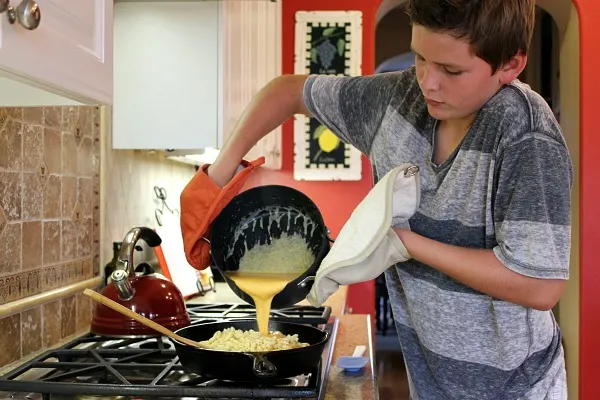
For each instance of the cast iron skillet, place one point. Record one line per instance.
(246, 213)
(251, 367)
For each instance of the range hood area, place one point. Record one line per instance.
(185, 71)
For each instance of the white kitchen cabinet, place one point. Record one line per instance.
(185, 71)
(68, 55)
(167, 78)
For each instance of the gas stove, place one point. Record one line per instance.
(97, 367)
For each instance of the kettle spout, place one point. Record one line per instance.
(123, 285)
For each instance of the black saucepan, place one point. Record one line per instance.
(247, 213)
(251, 367)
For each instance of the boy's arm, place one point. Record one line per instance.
(351, 107)
(279, 100)
(532, 216)
(481, 270)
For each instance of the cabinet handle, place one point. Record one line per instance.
(27, 13)
(10, 11)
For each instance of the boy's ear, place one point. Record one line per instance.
(512, 69)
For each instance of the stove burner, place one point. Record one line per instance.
(299, 314)
(155, 345)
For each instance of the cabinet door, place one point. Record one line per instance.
(167, 75)
(251, 58)
(69, 53)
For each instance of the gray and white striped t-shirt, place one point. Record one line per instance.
(506, 188)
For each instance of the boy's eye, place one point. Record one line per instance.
(449, 72)
(445, 69)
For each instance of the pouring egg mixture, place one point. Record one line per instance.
(264, 271)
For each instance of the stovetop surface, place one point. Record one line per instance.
(98, 367)
(300, 314)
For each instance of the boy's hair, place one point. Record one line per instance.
(496, 29)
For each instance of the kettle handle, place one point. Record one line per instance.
(149, 236)
(129, 243)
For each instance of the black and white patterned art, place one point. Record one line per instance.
(327, 43)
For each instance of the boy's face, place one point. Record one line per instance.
(455, 82)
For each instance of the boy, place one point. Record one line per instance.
(490, 241)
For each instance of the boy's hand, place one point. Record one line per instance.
(201, 201)
(367, 244)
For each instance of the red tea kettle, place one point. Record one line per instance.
(151, 295)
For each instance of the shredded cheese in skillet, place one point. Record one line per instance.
(231, 339)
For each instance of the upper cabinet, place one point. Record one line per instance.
(56, 52)
(167, 75)
(185, 72)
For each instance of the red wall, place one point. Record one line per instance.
(336, 200)
(589, 313)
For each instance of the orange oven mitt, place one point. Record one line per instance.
(201, 201)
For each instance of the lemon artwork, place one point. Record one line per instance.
(327, 140)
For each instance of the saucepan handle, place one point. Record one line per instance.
(329, 237)
(304, 282)
(262, 367)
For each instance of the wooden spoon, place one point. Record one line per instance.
(139, 318)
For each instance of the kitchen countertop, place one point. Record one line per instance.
(353, 330)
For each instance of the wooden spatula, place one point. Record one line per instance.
(141, 319)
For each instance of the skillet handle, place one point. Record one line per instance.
(262, 367)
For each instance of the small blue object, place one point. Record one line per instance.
(352, 365)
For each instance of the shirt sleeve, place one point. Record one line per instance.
(352, 107)
(532, 207)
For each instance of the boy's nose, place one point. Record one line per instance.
(428, 79)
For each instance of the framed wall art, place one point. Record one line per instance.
(328, 43)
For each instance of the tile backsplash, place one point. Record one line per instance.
(65, 196)
(129, 178)
(49, 220)
(44, 326)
